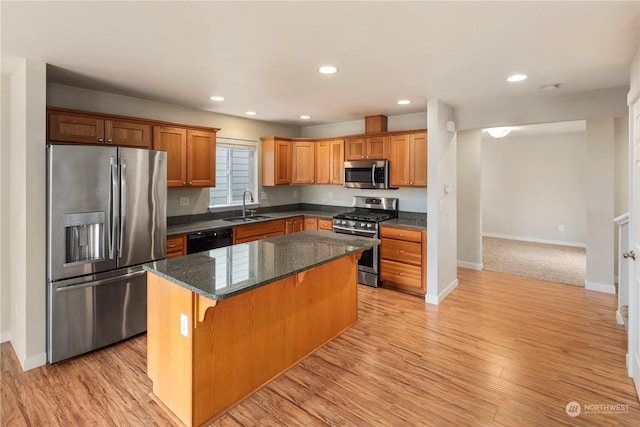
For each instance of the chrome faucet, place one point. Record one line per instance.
(244, 193)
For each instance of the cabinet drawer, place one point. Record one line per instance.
(258, 237)
(401, 251)
(256, 230)
(401, 234)
(325, 224)
(403, 274)
(176, 246)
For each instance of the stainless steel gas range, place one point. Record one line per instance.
(364, 221)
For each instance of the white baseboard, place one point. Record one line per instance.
(619, 318)
(600, 287)
(5, 336)
(471, 265)
(34, 361)
(535, 240)
(435, 300)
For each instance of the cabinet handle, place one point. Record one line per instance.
(100, 140)
(172, 246)
(400, 234)
(411, 183)
(184, 182)
(401, 251)
(109, 141)
(400, 274)
(190, 182)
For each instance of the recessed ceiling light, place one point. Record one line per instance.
(327, 69)
(217, 98)
(404, 102)
(517, 78)
(498, 132)
(250, 113)
(305, 117)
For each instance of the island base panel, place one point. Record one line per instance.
(244, 341)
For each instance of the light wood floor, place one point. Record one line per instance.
(500, 351)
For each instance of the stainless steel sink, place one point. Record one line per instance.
(246, 218)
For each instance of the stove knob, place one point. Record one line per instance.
(362, 224)
(369, 225)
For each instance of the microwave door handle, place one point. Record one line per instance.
(373, 175)
(111, 218)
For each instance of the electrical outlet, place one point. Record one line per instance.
(263, 195)
(561, 228)
(295, 193)
(184, 325)
(331, 194)
(184, 201)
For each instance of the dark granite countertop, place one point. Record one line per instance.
(420, 224)
(222, 273)
(193, 227)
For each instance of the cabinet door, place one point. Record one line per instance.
(419, 159)
(294, 225)
(303, 163)
(174, 142)
(78, 128)
(201, 158)
(283, 163)
(378, 148)
(399, 161)
(323, 162)
(336, 163)
(355, 149)
(128, 134)
(176, 246)
(310, 224)
(325, 224)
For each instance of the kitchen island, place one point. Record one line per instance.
(222, 323)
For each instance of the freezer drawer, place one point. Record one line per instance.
(88, 315)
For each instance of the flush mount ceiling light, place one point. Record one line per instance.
(305, 117)
(517, 78)
(404, 102)
(250, 113)
(217, 98)
(498, 132)
(327, 69)
(550, 88)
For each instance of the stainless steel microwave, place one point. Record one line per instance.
(366, 174)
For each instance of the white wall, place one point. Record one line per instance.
(533, 184)
(27, 212)
(600, 179)
(411, 200)
(469, 186)
(230, 127)
(5, 253)
(442, 207)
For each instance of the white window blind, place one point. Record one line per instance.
(236, 171)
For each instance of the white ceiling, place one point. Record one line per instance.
(263, 56)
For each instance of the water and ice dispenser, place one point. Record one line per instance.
(84, 237)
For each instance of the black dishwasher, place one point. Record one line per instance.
(205, 240)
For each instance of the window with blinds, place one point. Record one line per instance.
(236, 171)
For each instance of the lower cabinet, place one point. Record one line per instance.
(325, 224)
(310, 223)
(403, 258)
(176, 246)
(257, 231)
(294, 225)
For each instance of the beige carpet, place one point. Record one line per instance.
(553, 263)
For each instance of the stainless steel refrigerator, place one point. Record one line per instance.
(106, 216)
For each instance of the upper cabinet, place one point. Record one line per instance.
(330, 161)
(408, 159)
(191, 155)
(276, 161)
(71, 127)
(370, 148)
(303, 162)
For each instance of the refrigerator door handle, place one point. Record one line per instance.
(123, 203)
(111, 217)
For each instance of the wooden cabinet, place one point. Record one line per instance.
(276, 161)
(303, 162)
(70, 127)
(176, 246)
(310, 223)
(371, 148)
(408, 158)
(325, 224)
(257, 231)
(403, 257)
(294, 225)
(330, 162)
(191, 155)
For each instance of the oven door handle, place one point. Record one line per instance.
(345, 230)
